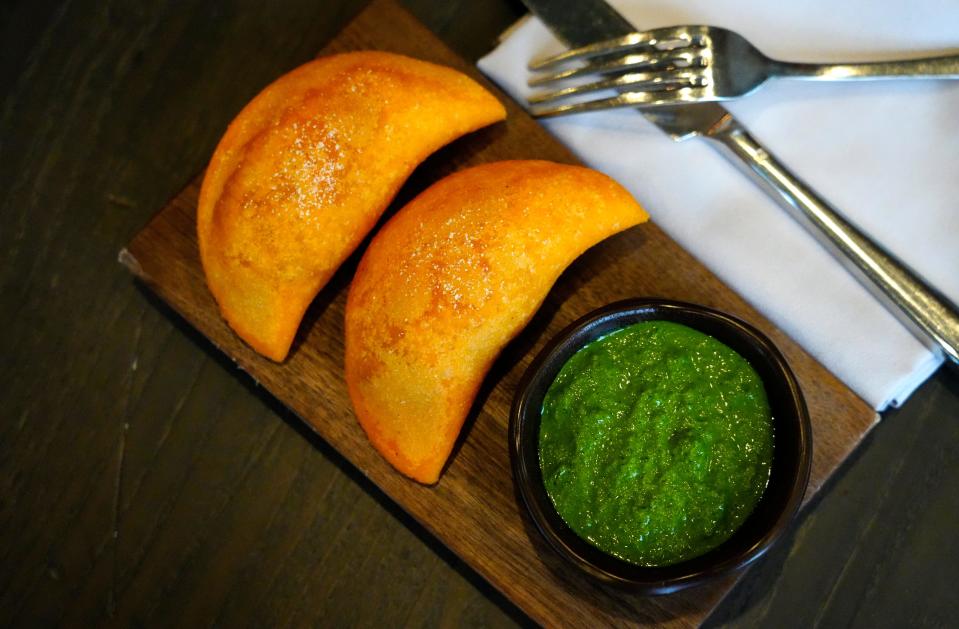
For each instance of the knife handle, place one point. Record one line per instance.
(927, 313)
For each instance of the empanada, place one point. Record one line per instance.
(306, 169)
(449, 280)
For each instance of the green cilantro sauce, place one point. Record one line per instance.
(656, 442)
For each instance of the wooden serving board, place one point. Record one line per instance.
(473, 509)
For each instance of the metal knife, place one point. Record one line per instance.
(928, 314)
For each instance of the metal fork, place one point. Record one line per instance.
(687, 64)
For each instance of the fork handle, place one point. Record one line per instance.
(927, 313)
(929, 67)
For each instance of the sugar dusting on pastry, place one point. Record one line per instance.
(306, 169)
(448, 281)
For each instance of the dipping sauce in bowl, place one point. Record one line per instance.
(657, 445)
(656, 442)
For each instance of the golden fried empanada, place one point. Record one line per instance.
(307, 168)
(449, 280)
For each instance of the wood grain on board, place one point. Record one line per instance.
(473, 509)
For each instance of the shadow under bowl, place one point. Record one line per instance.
(792, 450)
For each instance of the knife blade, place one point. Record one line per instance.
(925, 312)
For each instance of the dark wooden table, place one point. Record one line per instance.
(145, 481)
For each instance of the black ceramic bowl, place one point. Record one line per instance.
(791, 457)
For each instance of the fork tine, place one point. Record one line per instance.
(627, 99)
(636, 81)
(610, 46)
(633, 41)
(629, 62)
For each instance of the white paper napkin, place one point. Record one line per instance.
(885, 153)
